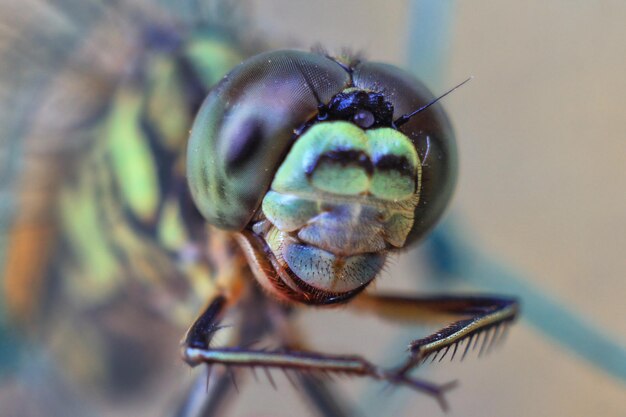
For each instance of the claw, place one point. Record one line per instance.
(436, 391)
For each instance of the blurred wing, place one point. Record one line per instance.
(97, 99)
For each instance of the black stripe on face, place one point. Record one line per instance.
(344, 158)
(391, 162)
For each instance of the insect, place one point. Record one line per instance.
(315, 227)
(305, 173)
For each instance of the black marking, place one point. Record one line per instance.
(191, 216)
(244, 144)
(391, 162)
(164, 161)
(344, 158)
(112, 211)
(347, 105)
(195, 89)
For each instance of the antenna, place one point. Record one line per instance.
(403, 119)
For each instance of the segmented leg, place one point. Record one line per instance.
(319, 392)
(481, 316)
(209, 395)
(196, 350)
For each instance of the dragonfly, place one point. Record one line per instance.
(302, 173)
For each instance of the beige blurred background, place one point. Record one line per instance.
(543, 172)
(541, 189)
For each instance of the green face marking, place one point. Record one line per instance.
(340, 158)
(341, 199)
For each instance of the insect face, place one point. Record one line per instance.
(301, 157)
(342, 198)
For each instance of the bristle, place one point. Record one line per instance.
(208, 377)
(467, 347)
(478, 335)
(494, 337)
(254, 374)
(318, 48)
(503, 334)
(487, 341)
(231, 372)
(269, 377)
(291, 381)
(456, 346)
(445, 352)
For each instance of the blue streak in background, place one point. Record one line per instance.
(430, 29)
(458, 262)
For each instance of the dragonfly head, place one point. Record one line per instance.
(326, 167)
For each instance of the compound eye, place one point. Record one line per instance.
(246, 124)
(364, 119)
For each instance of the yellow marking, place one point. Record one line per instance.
(147, 261)
(132, 159)
(212, 59)
(166, 106)
(171, 231)
(82, 225)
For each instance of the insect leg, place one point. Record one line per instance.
(471, 317)
(319, 392)
(196, 350)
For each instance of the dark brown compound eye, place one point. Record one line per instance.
(364, 119)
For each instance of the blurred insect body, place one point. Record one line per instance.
(306, 171)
